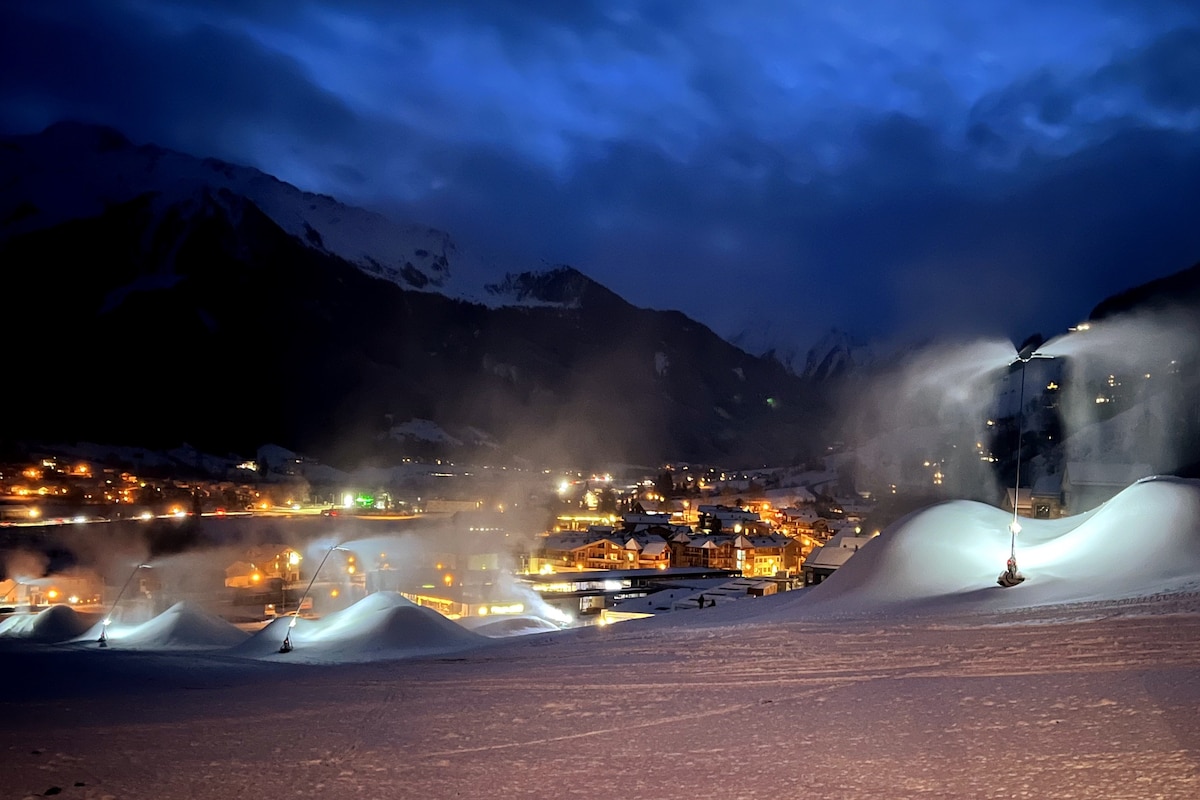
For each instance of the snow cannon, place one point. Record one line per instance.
(1011, 575)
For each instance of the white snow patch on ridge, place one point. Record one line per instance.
(76, 171)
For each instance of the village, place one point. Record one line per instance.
(566, 548)
(578, 551)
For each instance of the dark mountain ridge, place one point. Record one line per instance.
(161, 320)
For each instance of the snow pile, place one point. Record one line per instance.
(502, 626)
(182, 626)
(383, 625)
(1142, 542)
(55, 624)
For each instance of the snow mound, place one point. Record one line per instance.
(182, 626)
(54, 624)
(383, 625)
(1142, 542)
(519, 625)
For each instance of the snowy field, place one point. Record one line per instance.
(909, 673)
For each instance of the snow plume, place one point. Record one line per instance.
(532, 601)
(926, 414)
(121, 546)
(23, 565)
(1126, 387)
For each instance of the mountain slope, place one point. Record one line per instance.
(189, 312)
(1178, 289)
(74, 170)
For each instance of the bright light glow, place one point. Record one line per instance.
(293, 558)
(511, 608)
(1014, 526)
(557, 615)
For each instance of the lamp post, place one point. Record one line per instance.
(286, 647)
(1011, 575)
(103, 640)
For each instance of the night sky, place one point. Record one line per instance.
(886, 168)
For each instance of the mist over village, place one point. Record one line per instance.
(659, 400)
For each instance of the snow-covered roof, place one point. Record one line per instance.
(655, 549)
(573, 540)
(829, 556)
(805, 514)
(1023, 497)
(1048, 485)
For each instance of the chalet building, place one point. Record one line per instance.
(597, 548)
(263, 563)
(1041, 501)
(75, 588)
(754, 555)
(771, 554)
(1045, 498)
(1023, 501)
(805, 521)
(729, 519)
(635, 520)
(825, 560)
(1086, 485)
(660, 524)
(648, 549)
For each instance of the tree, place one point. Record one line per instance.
(664, 484)
(607, 502)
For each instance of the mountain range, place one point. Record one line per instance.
(157, 298)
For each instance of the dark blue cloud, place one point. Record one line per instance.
(881, 167)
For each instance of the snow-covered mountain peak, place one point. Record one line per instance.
(73, 170)
(833, 354)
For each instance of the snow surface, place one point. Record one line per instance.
(907, 673)
(180, 626)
